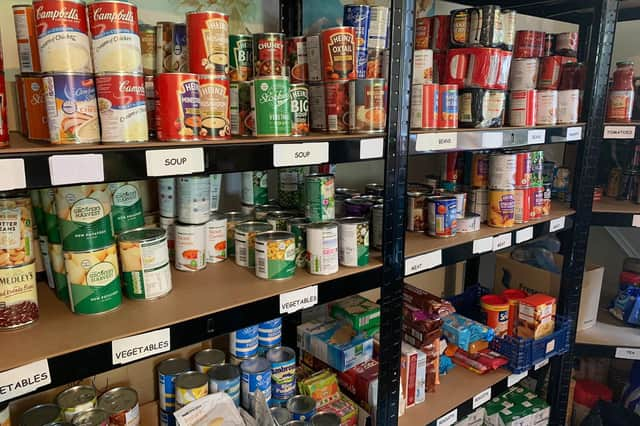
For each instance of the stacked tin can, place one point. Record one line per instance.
(4, 126)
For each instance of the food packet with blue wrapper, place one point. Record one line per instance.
(462, 331)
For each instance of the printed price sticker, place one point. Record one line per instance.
(492, 139)
(551, 345)
(298, 299)
(448, 419)
(25, 379)
(524, 234)
(423, 262)
(573, 134)
(300, 154)
(515, 378)
(481, 398)
(170, 162)
(13, 176)
(76, 168)
(436, 141)
(536, 136)
(619, 132)
(482, 245)
(502, 241)
(556, 224)
(371, 148)
(636, 221)
(628, 353)
(541, 364)
(140, 346)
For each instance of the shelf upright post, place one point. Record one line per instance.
(395, 188)
(598, 57)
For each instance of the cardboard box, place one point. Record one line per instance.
(357, 311)
(413, 374)
(522, 276)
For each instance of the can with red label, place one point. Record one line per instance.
(567, 44)
(423, 33)
(536, 201)
(28, 54)
(422, 67)
(546, 107)
(115, 42)
(459, 31)
(522, 108)
(448, 106)
(317, 108)
(367, 105)
(177, 106)
(297, 59)
(240, 108)
(299, 94)
(455, 68)
(529, 44)
(483, 68)
(549, 73)
(240, 57)
(522, 207)
(122, 106)
(378, 64)
(268, 55)
(215, 120)
(523, 169)
(4, 127)
(22, 112)
(450, 169)
(338, 53)
(440, 33)
(337, 105)
(63, 38)
(524, 74)
(208, 36)
(424, 106)
(503, 74)
(35, 107)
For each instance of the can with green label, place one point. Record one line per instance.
(353, 241)
(320, 194)
(273, 106)
(94, 280)
(84, 215)
(275, 255)
(48, 201)
(38, 213)
(299, 109)
(59, 272)
(298, 227)
(255, 188)
(291, 187)
(126, 206)
(240, 57)
(245, 236)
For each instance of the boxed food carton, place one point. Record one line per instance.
(359, 312)
(413, 374)
(536, 316)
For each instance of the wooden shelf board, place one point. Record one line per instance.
(611, 205)
(609, 331)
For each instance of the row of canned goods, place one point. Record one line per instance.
(444, 106)
(81, 406)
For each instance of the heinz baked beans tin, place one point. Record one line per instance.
(501, 208)
(122, 405)
(296, 54)
(269, 55)
(26, 38)
(177, 106)
(76, 399)
(299, 93)
(275, 255)
(208, 36)
(338, 53)
(322, 248)
(18, 296)
(522, 108)
(214, 107)
(63, 40)
(337, 105)
(191, 246)
(72, 110)
(273, 106)
(35, 107)
(367, 105)
(240, 57)
(123, 107)
(115, 42)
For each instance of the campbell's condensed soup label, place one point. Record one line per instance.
(63, 42)
(122, 106)
(114, 36)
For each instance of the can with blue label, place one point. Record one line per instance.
(441, 213)
(167, 372)
(448, 108)
(243, 343)
(302, 407)
(256, 376)
(283, 374)
(357, 16)
(167, 418)
(225, 378)
(270, 333)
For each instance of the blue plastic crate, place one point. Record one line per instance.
(523, 354)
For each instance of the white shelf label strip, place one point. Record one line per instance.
(619, 132)
(436, 141)
(76, 168)
(574, 134)
(541, 364)
(423, 262)
(13, 175)
(140, 346)
(482, 245)
(515, 378)
(481, 398)
(22, 380)
(636, 221)
(502, 241)
(371, 148)
(448, 419)
(298, 299)
(300, 154)
(536, 136)
(628, 353)
(556, 224)
(171, 162)
(523, 235)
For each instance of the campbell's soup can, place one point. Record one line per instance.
(367, 105)
(177, 106)
(164, 46)
(456, 65)
(484, 67)
(35, 107)
(338, 53)
(63, 40)
(115, 42)
(122, 105)
(26, 38)
(358, 16)
(549, 73)
(208, 36)
(214, 107)
(524, 74)
(72, 110)
(317, 107)
(522, 108)
(296, 54)
(269, 55)
(337, 105)
(546, 107)
(424, 106)
(240, 57)
(240, 108)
